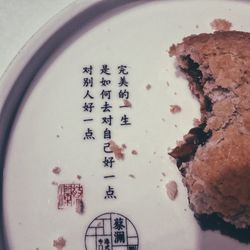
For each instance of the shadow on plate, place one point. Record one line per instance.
(214, 222)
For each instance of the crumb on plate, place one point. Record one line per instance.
(134, 152)
(148, 87)
(132, 176)
(127, 103)
(59, 243)
(220, 25)
(117, 150)
(175, 109)
(172, 191)
(196, 122)
(56, 170)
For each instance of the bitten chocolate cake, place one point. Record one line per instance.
(214, 157)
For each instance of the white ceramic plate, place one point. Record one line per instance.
(42, 102)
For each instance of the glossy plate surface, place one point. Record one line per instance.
(125, 205)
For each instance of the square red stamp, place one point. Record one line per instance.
(70, 195)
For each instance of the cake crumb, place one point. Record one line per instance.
(56, 170)
(54, 183)
(59, 243)
(117, 150)
(134, 152)
(57, 136)
(132, 176)
(176, 125)
(163, 174)
(196, 122)
(79, 177)
(124, 146)
(148, 87)
(175, 109)
(172, 190)
(127, 103)
(168, 84)
(220, 25)
(197, 26)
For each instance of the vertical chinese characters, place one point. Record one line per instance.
(88, 105)
(123, 93)
(110, 85)
(106, 93)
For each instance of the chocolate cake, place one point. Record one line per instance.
(214, 157)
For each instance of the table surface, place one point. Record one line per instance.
(19, 20)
